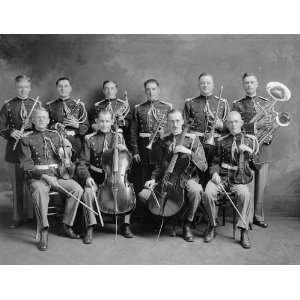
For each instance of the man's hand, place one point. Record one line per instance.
(219, 124)
(245, 148)
(216, 179)
(137, 158)
(182, 149)
(91, 183)
(16, 134)
(71, 122)
(265, 122)
(51, 180)
(150, 184)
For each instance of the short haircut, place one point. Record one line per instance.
(248, 75)
(61, 79)
(107, 81)
(22, 77)
(174, 111)
(105, 112)
(37, 110)
(233, 112)
(151, 80)
(204, 74)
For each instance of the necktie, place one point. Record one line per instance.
(23, 111)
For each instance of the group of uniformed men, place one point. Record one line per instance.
(56, 148)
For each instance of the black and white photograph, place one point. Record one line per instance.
(149, 148)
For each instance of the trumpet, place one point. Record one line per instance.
(160, 125)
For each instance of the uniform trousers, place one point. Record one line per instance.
(243, 202)
(40, 195)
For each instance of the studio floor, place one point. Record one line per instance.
(279, 244)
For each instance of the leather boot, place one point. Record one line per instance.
(245, 241)
(187, 232)
(210, 234)
(125, 231)
(43, 243)
(260, 223)
(88, 238)
(68, 232)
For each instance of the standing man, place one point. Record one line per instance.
(203, 110)
(90, 170)
(191, 148)
(68, 115)
(40, 160)
(115, 105)
(14, 118)
(248, 107)
(230, 168)
(146, 117)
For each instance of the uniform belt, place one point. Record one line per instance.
(70, 132)
(144, 134)
(197, 133)
(45, 167)
(229, 167)
(95, 169)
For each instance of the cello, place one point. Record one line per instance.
(116, 195)
(167, 198)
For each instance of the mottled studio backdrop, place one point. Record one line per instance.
(176, 61)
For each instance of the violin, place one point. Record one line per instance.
(116, 195)
(167, 198)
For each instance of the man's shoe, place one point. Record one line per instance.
(245, 241)
(210, 234)
(88, 238)
(43, 243)
(15, 224)
(126, 232)
(172, 232)
(68, 232)
(261, 223)
(187, 233)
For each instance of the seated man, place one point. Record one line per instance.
(230, 168)
(90, 171)
(41, 162)
(192, 148)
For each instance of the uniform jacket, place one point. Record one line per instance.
(225, 155)
(164, 150)
(57, 115)
(10, 119)
(248, 107)
(145, 119)
(198, 109)
(40, 148)
(94, 146)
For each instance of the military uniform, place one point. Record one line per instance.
(115, 106)
(202, 110)
(190, 178)
(248, 107)
(40, 155)
(59, 110)
(12, 117)
(146, 117)
(234, 176)
(90, 166)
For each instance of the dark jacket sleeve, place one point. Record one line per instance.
(186, 112)
(216, 161)
(84, 126)
(134, 132)
(84, 162)
(5, 131)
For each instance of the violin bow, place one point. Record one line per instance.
(98, 209)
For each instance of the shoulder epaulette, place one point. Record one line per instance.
(221, 138)
(189, 99)
(142, 103)
(165, 135)
(234, 101)
(50, 102)
(88, 136)
(8, 100)
(97, 103)
(27, 133)
(121, 100)
(167, 103)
